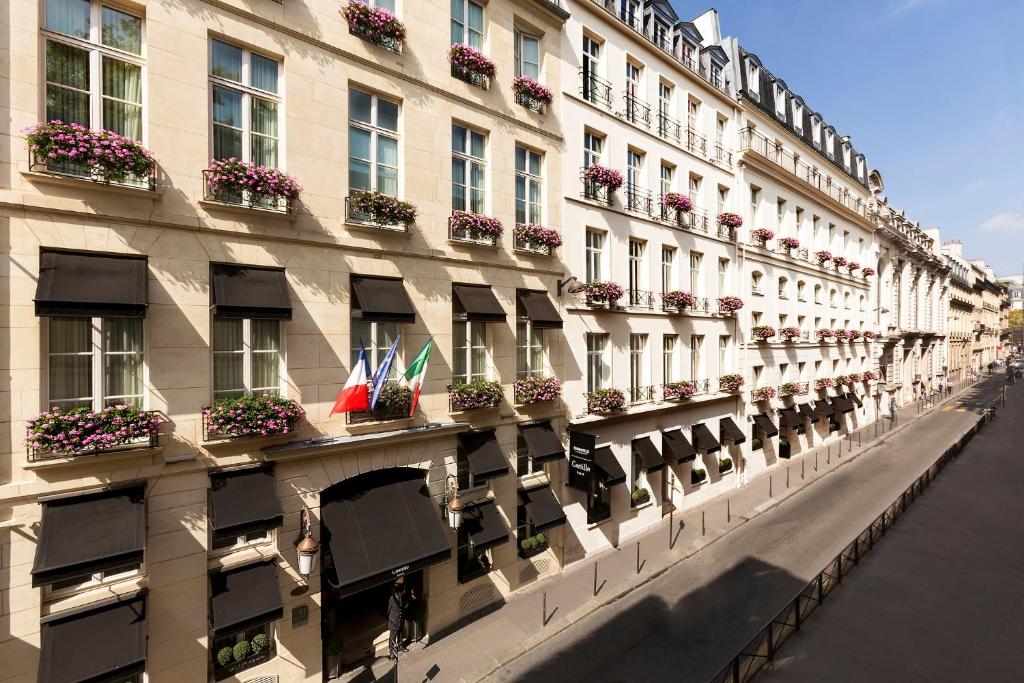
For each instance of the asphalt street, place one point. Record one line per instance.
(685, 624)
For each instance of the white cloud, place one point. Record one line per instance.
(976, 185)
(1008, 221)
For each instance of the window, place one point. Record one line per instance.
(78, 583)
(758, 370)
(753, 78)
(637, 366)
(95, 362)
(723, 198)
(780, 102)
(755, 318)
(846, 156)
(376, 338)
(783, 288)
(667, 175)
(832, 298)
(696, 356)
(472, 562)
(860, 302)
(527, 55)
(798, 117)
(695, 189)
(693, 115)
(665, 110)
(817, 294)
(599, 505)
(783, 371)
(720, 131)
(755, 199)
(668, 358)
(592, 70)
(846, 299)
(595, 255)
(528, 186)
(723, 354)
(668, 269)
(242, 541)
(696, 260)
(816, 229)
(633, 107)
(468, 169)
(525, 465)
(94, 68)
(469, 351)
(592, 144)
(244, 88)
(801, 293)
(634, 174)
(597, 364)
(467, 23)
(246, 636)
(723, 276)
(816, 131)
(801, 371)
(246, 357)
(830, 144)
(372, 143)
(755, 282)
(780, 212)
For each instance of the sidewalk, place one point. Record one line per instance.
(537, 614)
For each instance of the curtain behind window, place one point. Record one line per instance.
(122, 98)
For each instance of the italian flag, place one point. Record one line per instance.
(355, 395)
(416, 373)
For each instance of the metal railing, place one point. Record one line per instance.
(639, 200)
(244, 198)
(702, 305)
(637, 111)
(722, 154)
(593, 191)
(530, 103)
(385, 42)
(641, 394)
(669, 128)
(38, 454)
(210, 432)
(472, 77)
(456, 234)
(695, 142)
(353, 215)
(595, 89)
(68, 169)
(639, 298)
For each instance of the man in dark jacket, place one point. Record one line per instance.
(396, 620)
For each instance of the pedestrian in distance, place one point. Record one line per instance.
(396, 621)
(892, 410)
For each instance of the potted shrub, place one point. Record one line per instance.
(531, 93)
(470, 61)
(698, 475)
(869, 335)
(868, 375)
(606, 401)
(679, 391)
(841, 380)
(241, 650)
(724, 464)
(533, 545)
(823, 257)
(838, 261)
(789, 333)
(852, 267)
(475, 395)
(375, 24)
(536, 389)
(731, 383)
(763, 394)
(252, 415)
(730, 220)
(678, 300)
(73, 431)
(225, 656)
(234, 181)
(602, 176)
(729, 304)
(639, 496)
(761, 235)
(333, 649)
(855, 377)
(537, 237)
(854, 335)
(382, 209)
(678, 202)
(867, 271)
(762, 332)
(600, 293)
(475, 226)
(260, 643)
(788, 389)
(824, 334)
(789, 243)
(101, 154)
(394, 400)
(824, 383)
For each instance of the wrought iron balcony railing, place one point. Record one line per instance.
(637, 111)
(669, 128)
(594, 89)
(639, 200)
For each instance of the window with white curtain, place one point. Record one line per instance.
(246, 357)
(530, 353)
(372, 143)
(668, 269)
(696, 356)
(723, 354)
(468, 23)
(637, 364)
(376, 338)
(594, 254)
(592, 144)
(528, 186)
(527, 55)
(668, 358)
(94, 66)
(696, 262)
(469, 185)
(723, 276)
(95, 362)
(469, 351)
(598, 369)
(245, 104)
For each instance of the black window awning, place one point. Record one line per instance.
(856, 399)
(768, 427)
(542, 508)
(382, 299)
(609, 469)
(823, 408)
(481, 449)
(675, 445)
(542, 441)
(807, 411)
(650, 458)
(790, 418)
(703, 439)
(484, 526)
(539, 309)
(244, 597)
(104, 641)
(381, 525)
(731, 431)
(249, 292)
(244, 501)
(478, 303)
(842, 404)
(91, 284)
(84, 534)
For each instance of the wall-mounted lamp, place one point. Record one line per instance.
(451, 505)
(572, 289)
(307, 548)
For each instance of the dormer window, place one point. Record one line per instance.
(860, 167)
(830, 144)
(798, 117)
(846, 156)
(753, 79)
(816, 131)
(780, 102)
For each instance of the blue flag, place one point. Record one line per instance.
(380, 375)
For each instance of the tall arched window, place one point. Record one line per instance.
(755, 282)
(817, 294)
(801, 293)
(832, 298)
(783, 287)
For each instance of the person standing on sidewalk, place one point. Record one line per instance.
(396, 621)
(892, 410)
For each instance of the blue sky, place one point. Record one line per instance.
(929, 90)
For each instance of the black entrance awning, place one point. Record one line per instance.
(478, 303)
(768, 427)
(842, 404)
(481, 450)
(244, 597)
(790, 418)
(856, 399)
(381, 525)
(609, 469)
(542, 441)
(88, 533)
(382, 299)
(823, 408)
(729, 430)
(91, 284)
(807, 411)
(703, 439)
(650, 458)
(542, 508)
(104, 641)
(484, 526)
(244, 501)
(675, 445)
(539, 309)
(249, 292)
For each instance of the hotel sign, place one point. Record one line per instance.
(581, 460)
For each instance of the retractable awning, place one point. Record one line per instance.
(674, 444)
(611, 471)
(244, 597)
(790, 418)
(486, 461)
(539, 309)
(542, 441)
(768, 427)
(478, 303)
(842, 404)
(84, 534)
(855, 398)
(807, 411)
(729, 430)
(382, 299)
(542, 508)
(823, 408)
(484, 526)
(703, 439)
(244, 501)
(650, 458)
(104, 641)
(91, 284)
(249, 292)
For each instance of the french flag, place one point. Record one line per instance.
(355, 395)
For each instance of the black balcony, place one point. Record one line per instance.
(385, 42)
(641, 394)
(637, 111)
(669, 128)
(696, 143)
(722, 154)
(639, 298)
(702, 305)
(639, 200)
(385, 414)
(69, 169)
(594, 89)
(594, 192)
(472, 77)
(243, 198)
(530, 103)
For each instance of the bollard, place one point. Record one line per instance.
(638, 557)
(544, 610)
(595, 577)
(787, 476)
(769, 486)
(703, 528)
(728, 510)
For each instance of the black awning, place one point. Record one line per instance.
(478, 303)
(91, 284)
(650, 458)
(104, 641)
(85, 534)
(249, 292)
(790, 418)
(768, 427)
(703, 439)
(855, 398)
(542, 441)
(244, 501)
(823, 408)
(729, 430)
(674, 444)
(481, 449)
(484, 525)
(542, 508)
(382, 299)
(807, 411)
(383, 524)
(609, 469)
(842, 404)
(539, 309)
(244, 597)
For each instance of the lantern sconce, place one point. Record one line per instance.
(451, 505)
(307, 548)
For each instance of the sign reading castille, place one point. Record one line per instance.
(581, 461)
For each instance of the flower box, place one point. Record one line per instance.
(536, 390)
(729, 304)
(868, 375)
(789, 333)
(824, 334)
(824, 383)
(536, 238)
(838, 261)
(852, 266)
(841, 380)
(867, 271)
(679, 391)
(251, 415)
(465, 226)
(677, 202)
(245, 654)
(533, 545)
(823, 257)
(471, 65)
(599, 293)
(789, 389)
(476, 395)
(763, 394)
(855, 377)
(375, 25)
(602, 176)
(83, 431)
(730, 383)
(724, 465)
(244, 183)
(98, 155)
(762, 332)
(532, 94)
(393, 403)
(606, 401)
(730, 220)
(639, 496)
(842, 335)
(789, 243)
(678, 301)
(697, 476)
(761, 235)
(381, 209)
